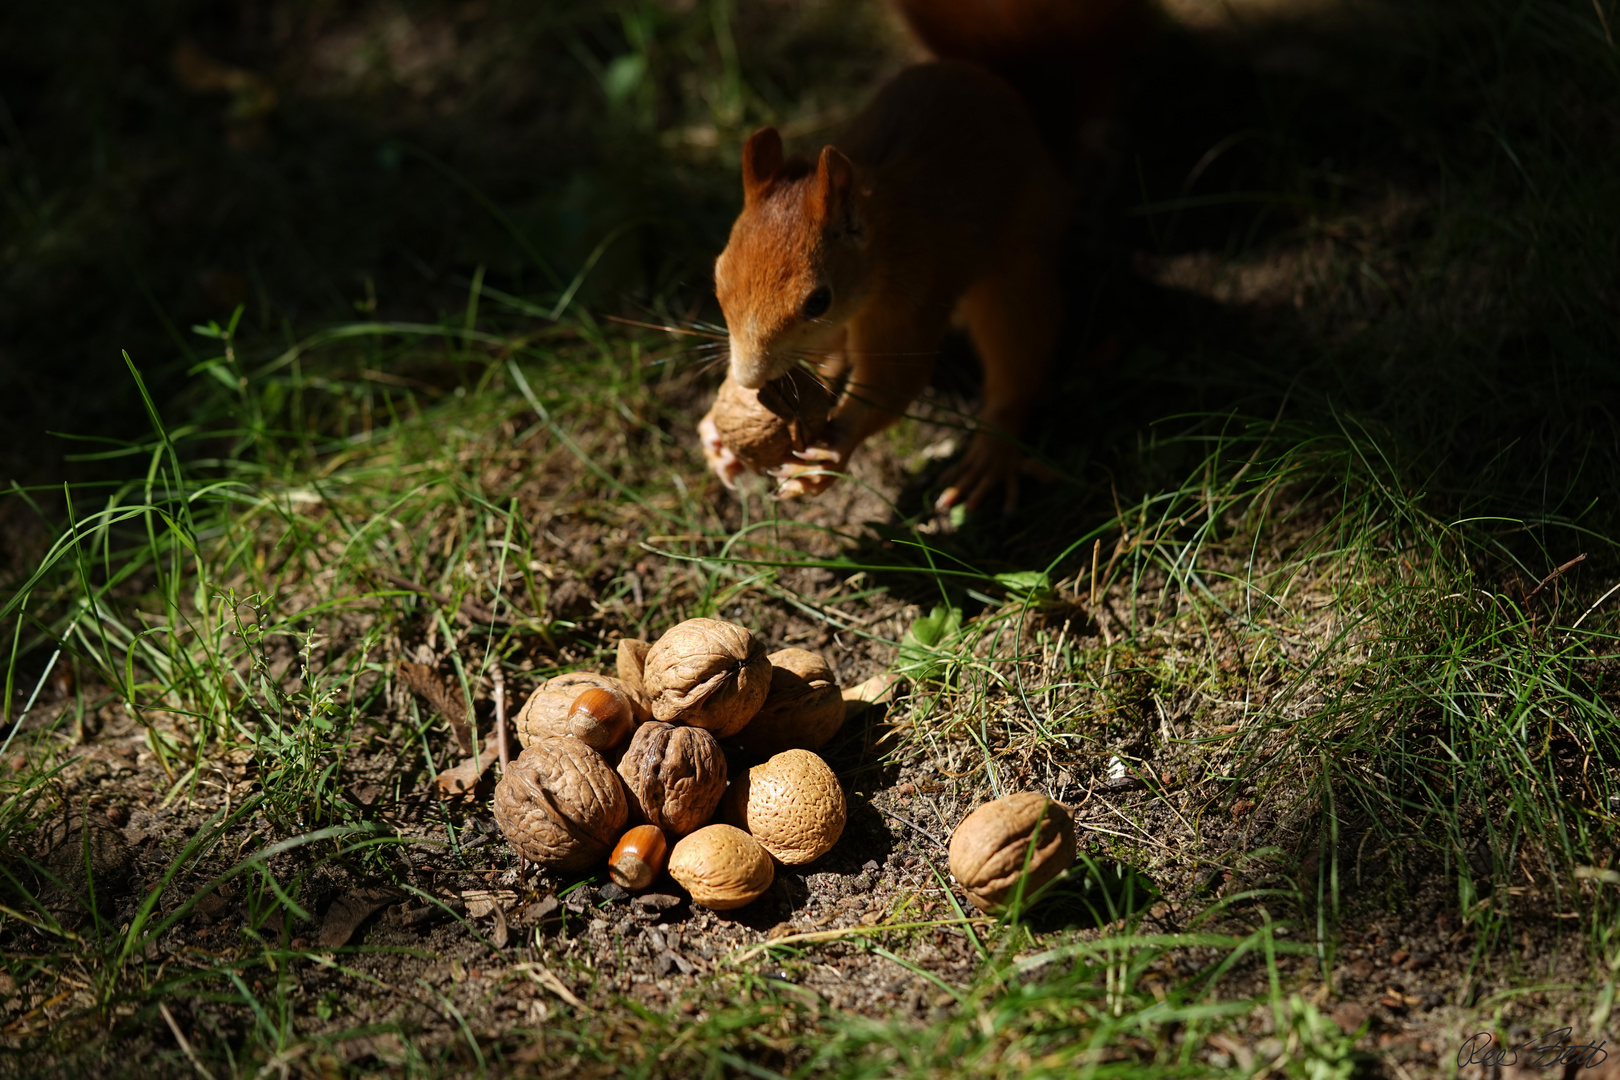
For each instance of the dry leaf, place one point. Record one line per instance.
(462, 781)
(348, 911)
(441, 699)
(481, 902)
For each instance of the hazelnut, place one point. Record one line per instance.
(638, 857)
(707, 673)
(575, 682)
(560, 804)
(764, 427)
(722, 867)
(675, 775)
(599, 716)
(990, 849)
(791, 804)
(631, 659)
(802, 710)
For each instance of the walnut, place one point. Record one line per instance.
(722, 867)
(676, 775)
(707, 673)
(560, 804)
(764, 427)
(632, 658)
(803, 709)
(990, 849)
(791, 804)
(574, 682)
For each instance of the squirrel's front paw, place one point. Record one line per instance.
(722, 462)
(989, 461)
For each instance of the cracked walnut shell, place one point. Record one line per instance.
(707, 673)
(803, 709)
(991, 847)
(791, 804)
(722, 867)
(561, 805)
(764, 427)
(675, 775)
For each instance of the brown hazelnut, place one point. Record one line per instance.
(791, 804)
(632, 657)
(722, 867)
(675, 775)
(638, 857)
(575, 682)
(707, 673)
(764, 427)
(599, 716)
(802, 710)
(991, 851)
(560, 804)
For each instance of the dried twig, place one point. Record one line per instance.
(185, 1046)
(498, 677)
(1554, 576)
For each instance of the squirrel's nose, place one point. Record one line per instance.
(748, 369)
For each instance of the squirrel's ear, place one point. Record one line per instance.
(834, 187)
(761, 158)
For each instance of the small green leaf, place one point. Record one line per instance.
(623, 76)
(1025, 584)
(920, 649)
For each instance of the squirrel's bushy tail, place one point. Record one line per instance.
(1063, 56)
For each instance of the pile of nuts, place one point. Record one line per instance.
(629, 769)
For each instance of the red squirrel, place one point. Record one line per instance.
(939, 200)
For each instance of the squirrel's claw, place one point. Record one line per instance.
(990, 461)
(722, 462)
(819, 455)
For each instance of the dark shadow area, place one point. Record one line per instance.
(1374, 228)
(1096, 892)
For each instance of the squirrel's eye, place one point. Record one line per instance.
(817, 303)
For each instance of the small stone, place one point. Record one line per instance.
(908, 788)
(1350, 1016)
(651, 906)
(541, 910)
(611, 891)
(872, 866)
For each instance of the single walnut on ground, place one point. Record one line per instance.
(803, 709)
(707, 673)
(561, 805)
(764, 427)
(675, 775)
(1024, 837)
